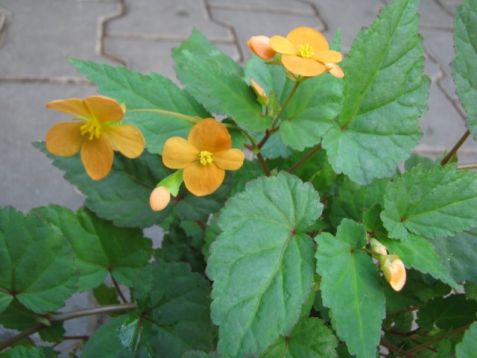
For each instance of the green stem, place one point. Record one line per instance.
(429, 343)
(306, 157)
(287, 101)
(455, 148)
(191, 119)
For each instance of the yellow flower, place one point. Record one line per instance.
(97, 133)
(204, 156)
(260, 46)
(305, 52)
(159, 198)
(394, 272)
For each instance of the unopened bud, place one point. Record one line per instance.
(259, 91)
(260, 46)
(378, 248)
(394, 272)
(160, 198)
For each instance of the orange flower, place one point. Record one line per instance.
(97, 133)
(260, 46)
(394, 272)
(305, 52)
(204, 156)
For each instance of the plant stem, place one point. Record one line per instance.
(118, 289)
(61, 317)
(306, 157)
(191, 119)
(467, 166)
(429, 343)
(263, 164)
(392, 348)
(455, 148)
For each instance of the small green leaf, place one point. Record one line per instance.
(215, 80)
(468, 347)
(465, 62)
(37, 266)
(139, 91)
(311, 338)
(419, 253)
(100, 247)
(105, 295)
(29, 352)
(385, 92)
(262, 264)
(350, 287)
(436, 202)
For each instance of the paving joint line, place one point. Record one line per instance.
(102, 24)
(444, 8)
(160, 38)
(58, 80)
(255, 8)
(4, 13)
(317, 14)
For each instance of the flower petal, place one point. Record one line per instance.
(210, 135)
(335, 70)
(231, 159)
(328, 56)
(178, 153)
(64, 139)
(73, 106)
(308, 36)
(104, 109)
(125, 138)
(203, 180)
(282, 45)
(302, 66)
(97, 157)
(260, 46)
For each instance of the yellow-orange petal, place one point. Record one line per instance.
(303, 66)
(126, 139)
(335, 70)
(73, 106)
(328, 56)
(210, 135)
(282, 45)
(104, 109)
(64, 139)
(178, 153)
(395, 272)
(308, 36)
(231, 159)
(159, 198)
(97, 157)
(260, 46)
(203, 180)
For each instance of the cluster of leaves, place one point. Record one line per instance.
(287, 255)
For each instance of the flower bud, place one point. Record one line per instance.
(260, 46)
(160, 198)
(394, 272)
(378, 248)
(259, 91)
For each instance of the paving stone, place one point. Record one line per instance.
(28, 179)
(153, 56)
(270, 6)
(434, 15)
(250, 23)
(168, 19)
(42, 35)
(450, 6)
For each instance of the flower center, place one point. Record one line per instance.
(205, 157)
(91, 128)
(306, 51)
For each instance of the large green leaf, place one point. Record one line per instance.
(460, 255)
(100, 247)
(419, 253)
(139, 91)
(468, 346)
(37, 266)
(436, 202)
(123, 196)
(29, 352)
(311, 338)
(385, 92)
(215, 80)
(351, 288)
(262, 264)
(465, 63)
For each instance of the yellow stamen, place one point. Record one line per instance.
(92, 128)
(205, 157)
(306, 51)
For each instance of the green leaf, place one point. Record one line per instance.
(436, 202)
(139, 91)
(419, 254)
(37, 266)
(465, 62)
(100, 247)
(351, 288)
(460, 255)
(385, 92)
(105, 295)
(215, 80)
(262, 264)
(123, 196)
(311, 111)
(468, 346)
(29, 352)
(311, 338)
